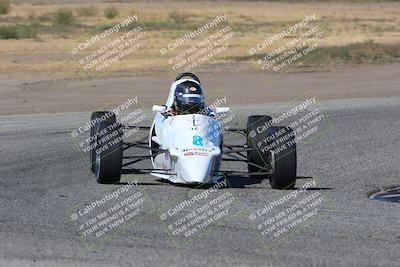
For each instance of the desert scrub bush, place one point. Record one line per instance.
(63, 17)
(4, 7)
(27, 31)
(110, 12)
(178, 17)
(18, 32)
(8, 32)
(44, 18)
(87, 11)
(133, 11)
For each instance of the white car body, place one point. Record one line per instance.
(192, 145)
(185, 143)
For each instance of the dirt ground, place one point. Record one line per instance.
(241, 84)
(357, 32)
(40, 75)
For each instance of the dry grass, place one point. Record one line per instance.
(346, 26)
(87, 11)
(111, 12)
(4, 7)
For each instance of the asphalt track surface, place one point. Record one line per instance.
(43, 177)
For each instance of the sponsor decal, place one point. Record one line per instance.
(196, 149)
(195, 154)
(197, 140)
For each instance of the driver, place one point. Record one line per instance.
(188, 99)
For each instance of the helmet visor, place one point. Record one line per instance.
(190, 103)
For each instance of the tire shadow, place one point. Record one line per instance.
(234, 181)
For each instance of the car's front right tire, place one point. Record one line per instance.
(283, 159)
(272, 148)
(108, 152)
(94, 118)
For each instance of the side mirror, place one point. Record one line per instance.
(220, 110)
(157, 108)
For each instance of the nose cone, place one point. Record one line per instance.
(195, 169)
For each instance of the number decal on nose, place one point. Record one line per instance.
(197, 140)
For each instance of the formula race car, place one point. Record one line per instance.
(185, 143)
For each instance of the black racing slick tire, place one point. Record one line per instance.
(283, 158)
(109, 151)
(255, 156)
(94, 121)
(273, 148)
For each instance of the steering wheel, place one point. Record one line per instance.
(187, 74)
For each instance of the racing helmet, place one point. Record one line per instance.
(188, 98)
